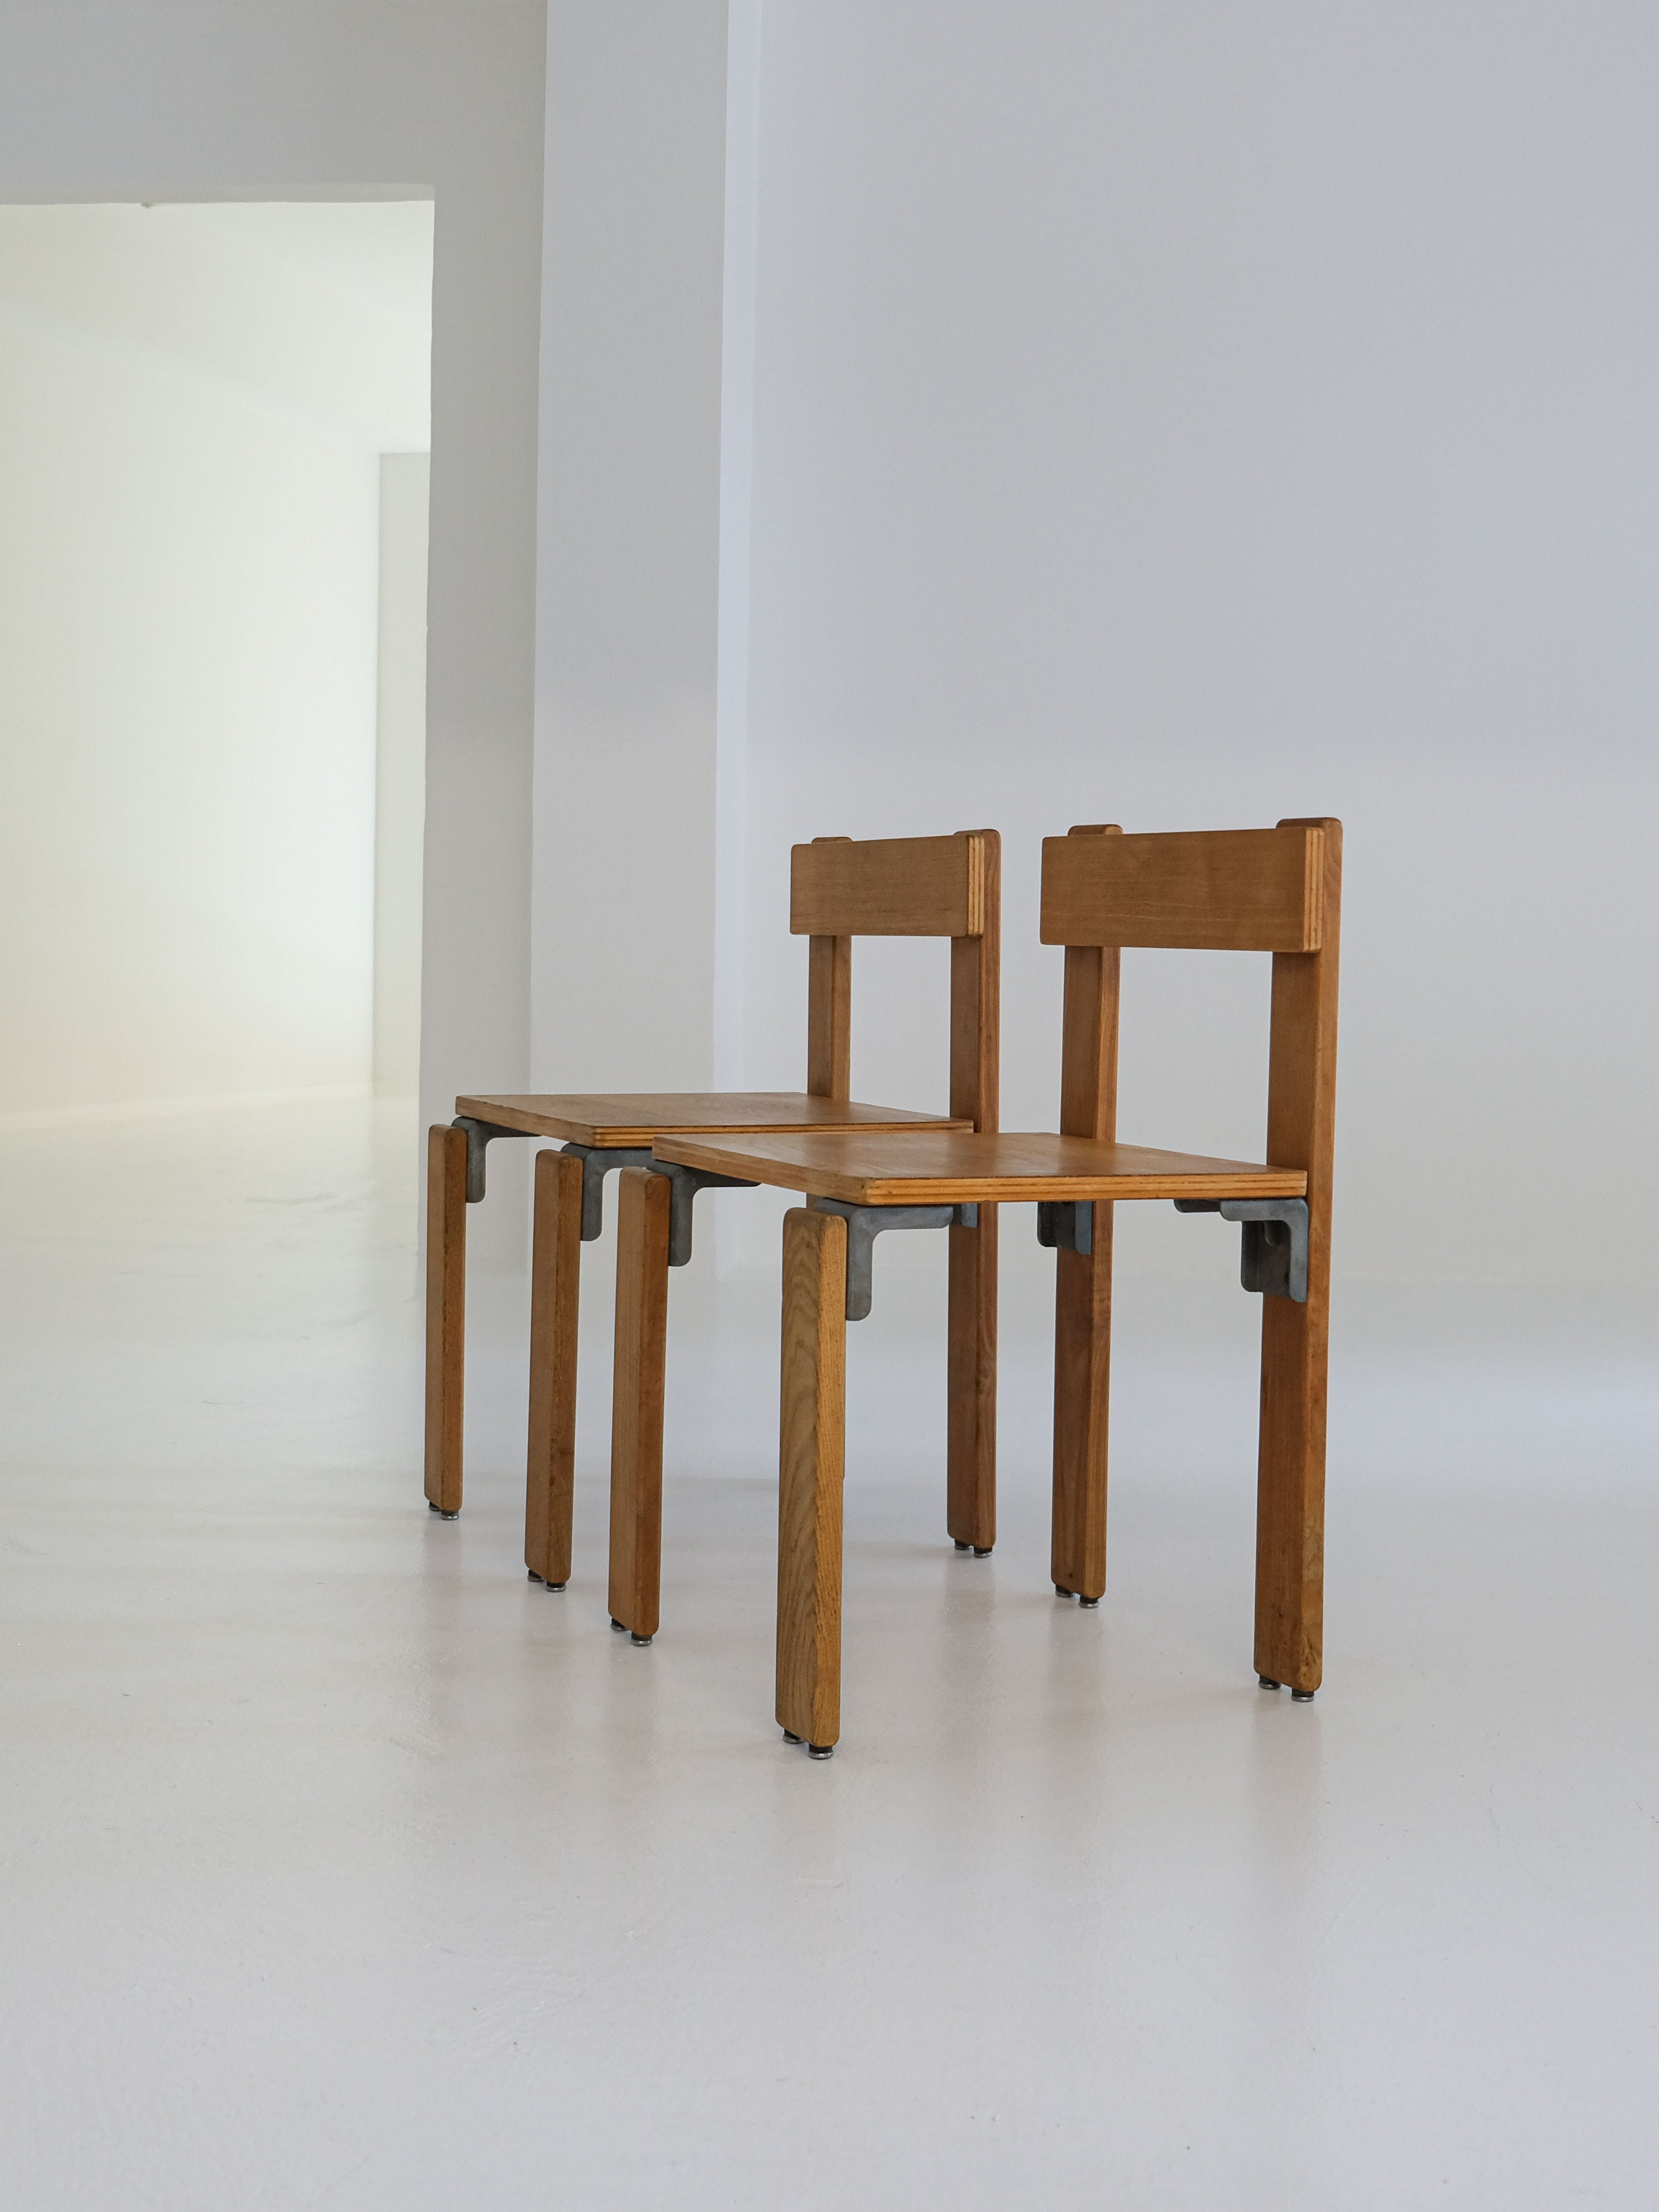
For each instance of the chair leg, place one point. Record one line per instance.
(812, 1465)
(1083, 1348)
(446, 1314)
(971, 1420)
(1290, 1548)
(637, 1401)
(555, 1287)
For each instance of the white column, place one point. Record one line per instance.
(629, 745)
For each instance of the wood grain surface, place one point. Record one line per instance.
(1083, 1280)
(1289, 1605)
(1227, 890)
(812, 1463)
(556, 1254)
(933, 1167)
(614, 1119)
(887, 887)
(637, 1400)
(970, 1514)
(830, 1018)
(446, 1314)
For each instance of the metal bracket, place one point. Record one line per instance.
(686, 1183)
(597, 1164)
(1275, 1258)
(478, 1135)
(1067, 1225)
(598, 1160)
(865, 1223)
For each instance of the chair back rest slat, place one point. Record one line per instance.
(889, 887)
(1220, 891)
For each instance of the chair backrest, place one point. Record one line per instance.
(1220, 890)
(840, 888)
(1274, 891)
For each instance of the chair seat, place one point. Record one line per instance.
(618, 1120)
(943, 1166)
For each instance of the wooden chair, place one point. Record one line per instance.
(896, 887)
(1273, 891)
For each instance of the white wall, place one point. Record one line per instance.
(628, 587)
(400, 772)
(189, 537)
(370, 98)
(1194, 414)
(1177, 415)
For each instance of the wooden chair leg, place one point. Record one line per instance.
(812, 1465)
(445, 1313)
(555, 1286)
(971, 1416)
(1083, 1348)
(637, 1401)
(1290, 1545)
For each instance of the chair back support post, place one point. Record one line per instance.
(829, 1009)
(976, 995)
(1296, 1338)
(976, 1055)
(830, 1018)
(1083, 1280)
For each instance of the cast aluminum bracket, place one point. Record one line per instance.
(478, 1135)
(1067, 1225)
(686, 1183)
(1275, 1257)
(865, 1223)
(597, 1162)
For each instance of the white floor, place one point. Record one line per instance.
(345, 1868)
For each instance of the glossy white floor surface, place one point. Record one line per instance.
(343, 1868)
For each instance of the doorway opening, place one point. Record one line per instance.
(215, 430)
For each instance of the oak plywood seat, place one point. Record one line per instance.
(956, 1168)
(840, 888)
(624, 1121)
(1270, 890)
